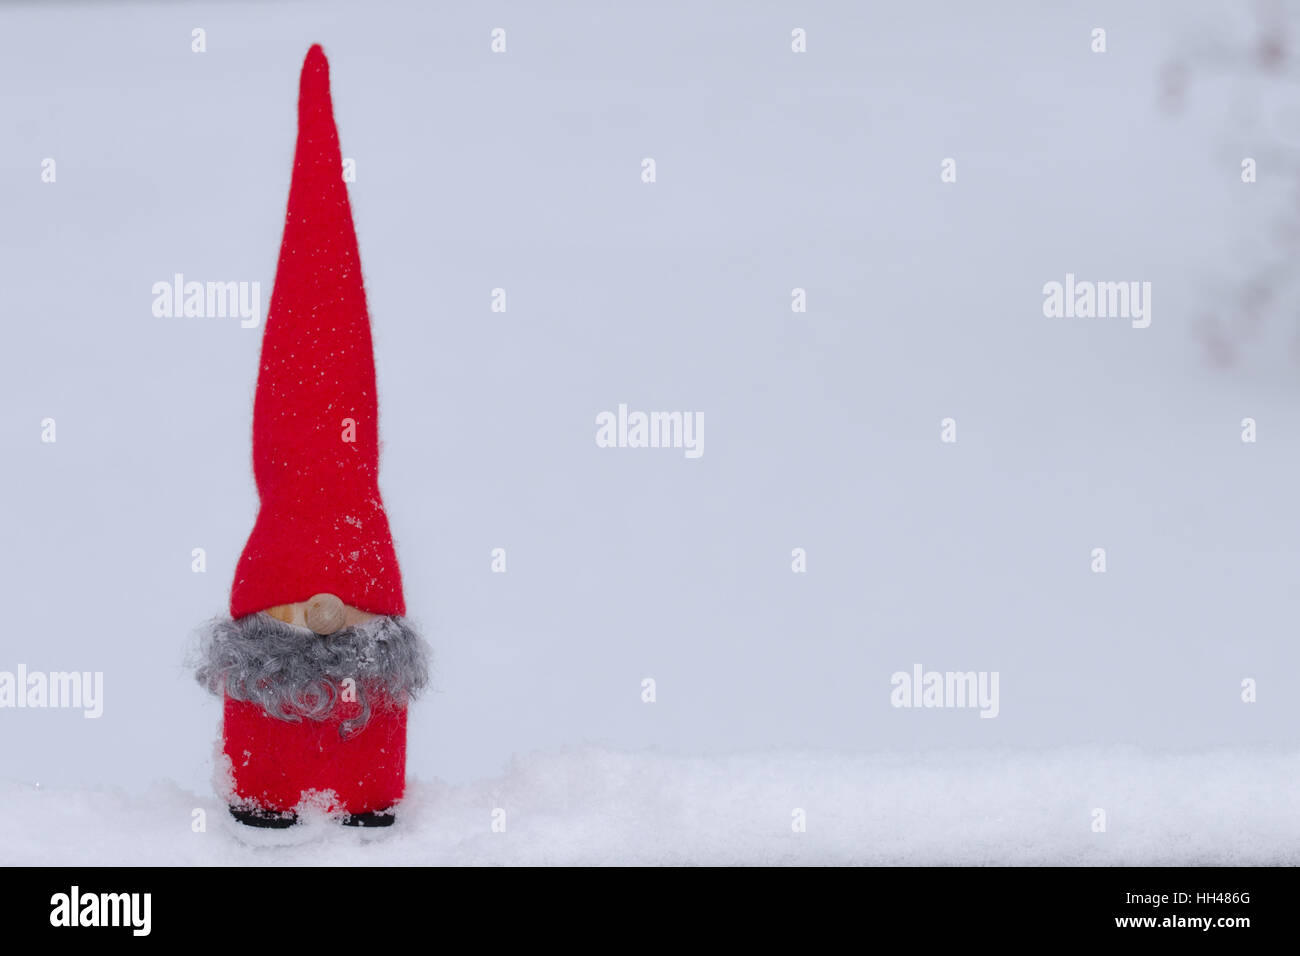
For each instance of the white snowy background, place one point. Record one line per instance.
(775, 170)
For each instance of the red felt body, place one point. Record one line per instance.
(274, 762)
(321, 526)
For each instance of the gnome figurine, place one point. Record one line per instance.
(316, 664)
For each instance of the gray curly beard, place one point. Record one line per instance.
(295, 674)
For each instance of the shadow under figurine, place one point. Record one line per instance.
(316, 663)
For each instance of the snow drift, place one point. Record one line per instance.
(597, 806)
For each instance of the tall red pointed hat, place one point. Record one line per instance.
(321, 526)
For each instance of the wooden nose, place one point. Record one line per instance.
(325, 614)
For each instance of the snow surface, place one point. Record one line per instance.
(598, 806)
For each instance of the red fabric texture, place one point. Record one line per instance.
(321, 526)
(274, 762)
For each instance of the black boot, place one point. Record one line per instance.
(372, 818)
(267, 819)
